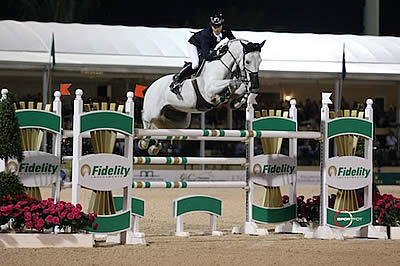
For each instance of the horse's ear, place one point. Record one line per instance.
(262, 44)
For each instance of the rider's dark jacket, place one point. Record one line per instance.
(205, 41)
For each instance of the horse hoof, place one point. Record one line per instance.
(237, 105)
(154, 150)
(217, 99)
(143, 144)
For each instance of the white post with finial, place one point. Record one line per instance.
(293, 151)
(324, 153)
(368, 153)
(56, 149)
(249, 226)
(4, 93)
(77, 144)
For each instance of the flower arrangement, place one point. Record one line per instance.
(386, 210)
(26, 213)
(308, 211)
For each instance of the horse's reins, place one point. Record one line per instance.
(239, 75)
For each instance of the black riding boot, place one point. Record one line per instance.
(178, 78)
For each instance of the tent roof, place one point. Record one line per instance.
(122, 49)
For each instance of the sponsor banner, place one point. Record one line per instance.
(346, 219)
(105, 171)
(303, 177)
(37, 169)
(273, 169)
(348, 172)
(188, 175)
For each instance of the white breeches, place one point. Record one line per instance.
(194, 55)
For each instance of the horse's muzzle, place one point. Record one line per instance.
(254, 83)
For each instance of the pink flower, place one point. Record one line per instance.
(29, 225)
(22, 202)
(376, 208)
(78, 216)
(52, 210)
(27, 216)
(75, 211)
(79, 206)
(49, 218)
(40, 222)
(63, 214)
(60, 206)
(70, 216)
(388, 205)
(68, 205)
(55, 220)
(397, 206)
(379, 220)
(46, 211)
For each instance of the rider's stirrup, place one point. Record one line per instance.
(175, 84)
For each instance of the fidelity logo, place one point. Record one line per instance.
(349, 172)
(32, 168)
(273, 169)
(104, 171)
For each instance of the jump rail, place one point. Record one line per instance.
(228, 133)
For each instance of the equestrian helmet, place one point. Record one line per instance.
(216, 20)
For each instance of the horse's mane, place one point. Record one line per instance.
(237, 40)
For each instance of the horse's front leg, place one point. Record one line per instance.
(218, 87)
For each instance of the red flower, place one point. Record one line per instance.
(75, 211)
(79, 206)
(27, 216)
(40, 222)
(68, 205)
(55, 220)
(29, 224)
(96, 226)
(78, 216)
(49, 218)
(70, 216)
(63, 214)
(397, 206)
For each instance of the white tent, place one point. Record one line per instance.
(121, 49)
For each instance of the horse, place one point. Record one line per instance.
(229, 79)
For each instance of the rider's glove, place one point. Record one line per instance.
(222, 50)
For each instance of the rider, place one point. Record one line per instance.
(202, 43)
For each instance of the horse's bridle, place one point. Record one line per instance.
(241, 75)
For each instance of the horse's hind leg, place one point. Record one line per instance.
(144, 143)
